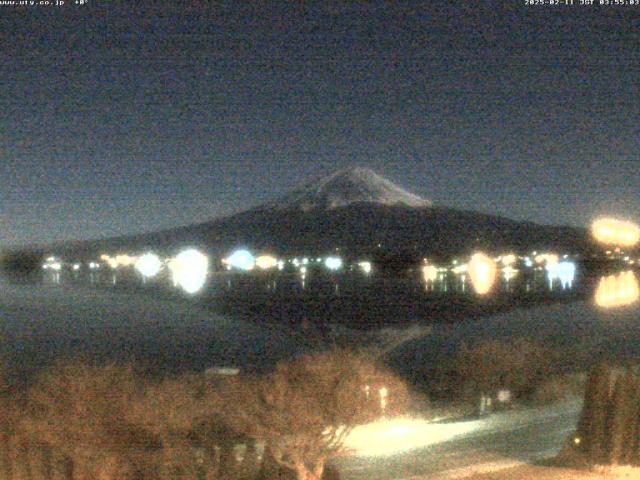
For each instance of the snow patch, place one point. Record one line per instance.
(345, 187)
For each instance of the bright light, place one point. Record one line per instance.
(509, 273)
(548, 258)
(563, 271)
(482, 271)
(265, 262)
(615, 232)
(93, 266)
(189, 270)
(460, 269)
(76, 266)
(365, 267)
(241, 259)
(393, 436)
(148, 265)
(333, 263)
(509, 259)
(384, 393)
(429, 273)
(125, 260)
(617, 290)
(527, 262)
(52, 263)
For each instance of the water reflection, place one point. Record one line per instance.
(563, 272)
(482, 271)
(355, 279)
(617, 290)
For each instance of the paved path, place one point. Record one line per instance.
(458, 450)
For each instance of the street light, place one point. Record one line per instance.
(148, 265)
(333, 263)
(241, 259)
(482, 271)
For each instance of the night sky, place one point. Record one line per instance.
(118, 119)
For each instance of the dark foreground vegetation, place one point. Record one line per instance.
(609, 428)
(78, 421)
(83, 422)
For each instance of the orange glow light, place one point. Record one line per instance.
(617, 290)
(550, 259)
(615, 232)
(482, 271)
(125, 260)
(508, 260)
(264, 262)
(430, 273)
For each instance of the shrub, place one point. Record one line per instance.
(305, 409)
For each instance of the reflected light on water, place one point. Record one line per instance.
(429, 273)
(482, 271)
(393, 436)
(610, 231)
(509, 273)
(617, 290)
(565, 272)
(189, 270)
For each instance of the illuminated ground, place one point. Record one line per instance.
(529, 472)
(405, 449)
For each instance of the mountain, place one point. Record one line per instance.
(346, 187)
(356, 211)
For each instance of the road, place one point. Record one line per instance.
(453, 450)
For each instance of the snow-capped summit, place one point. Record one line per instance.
(344, 187)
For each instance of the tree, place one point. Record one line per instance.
(592, 426)
(80, 411)
(174, 410)
(306, 408)
(492, 364)
(21, 264)
(624, 417)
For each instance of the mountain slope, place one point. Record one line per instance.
(358, 212)
(346, 187)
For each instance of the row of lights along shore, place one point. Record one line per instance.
(190, 268)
